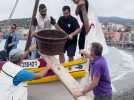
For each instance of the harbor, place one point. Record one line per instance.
(66, 52)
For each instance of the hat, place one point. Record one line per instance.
(15, 55)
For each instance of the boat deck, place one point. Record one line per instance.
(49, 91)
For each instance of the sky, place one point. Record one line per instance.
(108, 8)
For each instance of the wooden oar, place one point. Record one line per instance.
(33, 16)
(69, 82)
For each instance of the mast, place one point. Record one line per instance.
(28, 43)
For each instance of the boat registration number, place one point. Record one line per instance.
(30, 64)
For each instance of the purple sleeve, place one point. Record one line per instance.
(97, 70)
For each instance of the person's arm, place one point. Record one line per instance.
(87, 88)
(82, 5)
(76, 32)
(92, 85)
(96, 75)
(26, 53)
(59, 28)
(44, 72)
(26, 75)
(33, 27)
(41, 73)
(34, 24)
(15, 41)
(11, 44)
(76, 25)
(85, 19)
(58, 25)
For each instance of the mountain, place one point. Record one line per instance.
(24, 22)
(117, 20)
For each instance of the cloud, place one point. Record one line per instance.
(120, 8)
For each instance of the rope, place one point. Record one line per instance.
(13, 10)
(11, 14)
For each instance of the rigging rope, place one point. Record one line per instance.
(13, 10)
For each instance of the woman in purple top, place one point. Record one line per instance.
(100, 78)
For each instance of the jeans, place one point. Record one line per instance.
(103, 98)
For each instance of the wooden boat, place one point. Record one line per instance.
(50, 77)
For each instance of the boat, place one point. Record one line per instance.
(79, 72)
(51, 77)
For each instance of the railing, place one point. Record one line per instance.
(121, 44)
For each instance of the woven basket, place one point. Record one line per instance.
(51, 42)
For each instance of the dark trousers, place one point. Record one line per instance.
(82, 37)
(103, 98)
(3, 55)
(8, 51)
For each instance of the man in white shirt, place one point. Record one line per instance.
(41, 22)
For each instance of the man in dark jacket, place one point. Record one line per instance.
(69, 24)
(11, 39)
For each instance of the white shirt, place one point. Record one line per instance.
(43, 23)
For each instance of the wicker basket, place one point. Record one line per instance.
(51, 42)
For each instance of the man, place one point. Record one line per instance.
(41, 22)
(12, 75)
(69, 24)
(15, 58)
(85, 27)
(100, 78)
(11, 39)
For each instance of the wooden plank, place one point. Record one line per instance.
(69, 82)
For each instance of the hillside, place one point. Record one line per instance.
(24, 22)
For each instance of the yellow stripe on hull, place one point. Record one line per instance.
(66, 64)
(75, 74)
